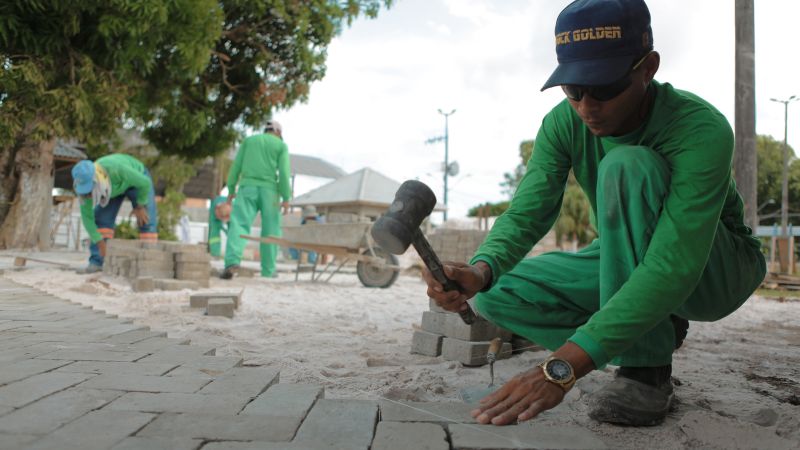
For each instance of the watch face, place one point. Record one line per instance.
(559, 370)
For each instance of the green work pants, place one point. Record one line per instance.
(249, 201)
(546, 298)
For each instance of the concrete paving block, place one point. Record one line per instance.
(285, 404)
(50, 413)
(132, 368)
(156, 274)
(404, 436)
(433, 412)
(94, 355)
(145, 383)
(156, 344)
(26, 368)
(179, 354)
(20, 393)
(180, 403)
(250, 381)
(211, 366)
(158, 443)
(217, 427)
(143, 284)
(96, 430)
(434, 322)
(134, 336)
(16, 441)
(523, 437)
(434, 307)
(425, 343)
(192, 258)
(186, 274)
(175, 285)
(471, 353)
(5, 410)
(348, 423)
(154, 255)
(201, 299)
(153, 245)
(220, 307)
(480, 330)
(194, 266)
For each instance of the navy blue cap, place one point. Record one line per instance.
(598, 41)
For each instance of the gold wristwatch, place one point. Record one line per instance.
(558, 371)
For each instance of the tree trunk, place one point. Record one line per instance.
(26, 195)
(744, 159)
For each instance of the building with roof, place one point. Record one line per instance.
(363, 194)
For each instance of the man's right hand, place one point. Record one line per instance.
(101, 247)
(471, 279)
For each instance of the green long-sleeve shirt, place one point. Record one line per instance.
(262, 160)
(124, 172)
(697, 142)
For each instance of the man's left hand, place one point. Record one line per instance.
(522, 398)
(285, 208)
(142, 218)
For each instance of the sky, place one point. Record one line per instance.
(387, 78)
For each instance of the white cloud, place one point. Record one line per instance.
(387, 77)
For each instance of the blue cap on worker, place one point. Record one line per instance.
(598, 41)
(83, 177)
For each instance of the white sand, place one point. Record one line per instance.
(739, 377)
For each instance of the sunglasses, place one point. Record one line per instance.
(602, 93)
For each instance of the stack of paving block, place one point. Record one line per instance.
(456, 245)
(161, 265)
(444, 333)
(217, 303)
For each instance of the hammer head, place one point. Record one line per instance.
(394, 231)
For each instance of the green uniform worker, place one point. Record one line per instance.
(261, 171)
(103, 185)
(215, 227)
(655, 163)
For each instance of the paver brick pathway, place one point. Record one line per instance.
(75, 378)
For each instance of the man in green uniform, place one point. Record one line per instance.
(261, 171)
(102, 186)
(655, 163)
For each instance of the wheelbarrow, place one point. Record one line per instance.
(347, 242)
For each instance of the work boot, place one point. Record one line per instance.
(638, 396)
(91, 268)
(229, 272)
(681, 326)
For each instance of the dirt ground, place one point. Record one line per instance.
(737, 379)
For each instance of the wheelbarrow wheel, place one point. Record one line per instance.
(377, 275)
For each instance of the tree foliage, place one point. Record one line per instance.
(770, 176)
(267, 56)
(512, 179)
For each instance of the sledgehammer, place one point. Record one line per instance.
(399, 228)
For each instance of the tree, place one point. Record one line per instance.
(512, 179)
(268, 55)
(68, 70)
(770, 174)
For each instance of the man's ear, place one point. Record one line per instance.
(651, 65)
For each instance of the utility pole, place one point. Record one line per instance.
(785, 180)
(745, 160)
(446, 154)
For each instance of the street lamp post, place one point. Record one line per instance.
(446, 156)
(785, 180)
